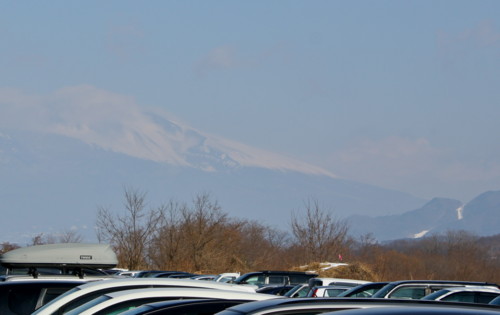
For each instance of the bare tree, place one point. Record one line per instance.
(318, 233)
(166, 245)
(70, 236)
(202, 225)
(42, 239)
(130, 232)
(6, 246)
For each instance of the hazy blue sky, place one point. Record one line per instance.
(399, 94)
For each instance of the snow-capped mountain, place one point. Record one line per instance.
(63, 157)
(480, 216)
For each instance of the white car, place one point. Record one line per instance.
(117, 302)
(471, 294)
(227, 276)
(327, 291)
(84, 293)
(317, 282)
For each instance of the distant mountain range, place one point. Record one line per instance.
(480, 216)
(55, 176)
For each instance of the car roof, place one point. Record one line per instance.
(388, 288)
(333, 286)
(11, 278)
(417, 310)
(176, 304)
(259, 307)
(128, 295)
(441, 281)
(41, 282)
(472, 288)
(283, 272)
(189, 291)
(339, 280)
(167, 282)
(162, 304)
(89, 287)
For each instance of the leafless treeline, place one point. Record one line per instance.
(200, 237)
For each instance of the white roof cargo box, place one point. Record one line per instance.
(61, 255)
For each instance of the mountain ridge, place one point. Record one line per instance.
(479, 216)
(58, 181)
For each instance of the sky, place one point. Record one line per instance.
(399, 94)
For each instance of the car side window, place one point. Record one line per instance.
(485, 297)
(23, 300)
(409, 292)
(256, 280)
(460, 297)
(48, 294)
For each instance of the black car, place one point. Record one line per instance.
(266, 278)
(417, 310)
(417, 289)
(308, 306)
(183, 307)
(24, 297)
(275, 289)
(364, 290)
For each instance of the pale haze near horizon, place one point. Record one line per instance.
(403, 95)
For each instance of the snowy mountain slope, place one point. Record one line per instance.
(116, 123)
(480, 216)
(58, 182)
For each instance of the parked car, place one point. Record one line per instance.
(482, 295)
(183, 307)
(417, 289)
(300, 290)
(364, 290)
(177, 275)
(84, 293)
(327, 291)
(275, 289)
(204, 277)
(118, 302)
(128, 273)
(263, 278)
(318, 282)
(153, 273)
(25, 297)
(417, 310)
(308, 306)
(227, 277)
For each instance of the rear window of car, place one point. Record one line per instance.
(276, 279)
(296, 279)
